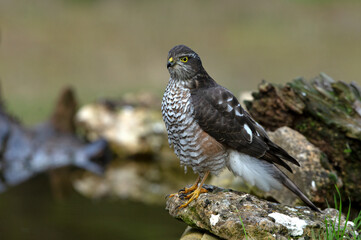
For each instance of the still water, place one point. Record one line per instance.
(29, 211)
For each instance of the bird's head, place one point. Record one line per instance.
(183, 63)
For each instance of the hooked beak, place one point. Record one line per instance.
(170, 62)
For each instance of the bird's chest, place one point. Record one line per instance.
(177, 111)
(193, 146)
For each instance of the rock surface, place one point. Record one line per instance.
(222, 213)
(197, 234)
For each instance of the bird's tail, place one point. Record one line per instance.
(293, 187)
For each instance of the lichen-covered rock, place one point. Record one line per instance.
(312, 178)
(229, 214)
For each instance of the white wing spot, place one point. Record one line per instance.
(229, 99)
(238, 114)
(248, 130)
(229, 108)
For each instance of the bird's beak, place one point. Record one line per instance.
(170, 62)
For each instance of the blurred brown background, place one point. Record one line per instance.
(107, 48)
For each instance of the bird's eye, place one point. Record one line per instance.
(184, 59)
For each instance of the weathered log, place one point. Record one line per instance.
(327, 113)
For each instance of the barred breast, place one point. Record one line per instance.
(193, 146)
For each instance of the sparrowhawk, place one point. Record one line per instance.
(209, 130)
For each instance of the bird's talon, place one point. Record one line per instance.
(196, 193)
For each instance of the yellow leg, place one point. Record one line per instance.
(187, 190)
(195, 194)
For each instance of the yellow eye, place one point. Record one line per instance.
(184, 59)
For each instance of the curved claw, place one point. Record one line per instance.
(194, 191)
(171, 195)
(195, 194)
(192, 196)
(190, 189)
(202, 190)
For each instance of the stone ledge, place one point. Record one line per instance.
(220, 212)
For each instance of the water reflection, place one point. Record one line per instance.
(29, 211)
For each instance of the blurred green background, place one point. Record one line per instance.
(105, 48)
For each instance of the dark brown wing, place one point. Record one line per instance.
(219, 114)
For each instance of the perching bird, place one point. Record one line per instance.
(209, 130)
